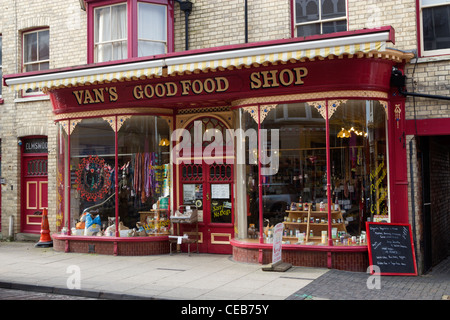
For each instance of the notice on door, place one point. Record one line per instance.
(220, 191)
(221, 206)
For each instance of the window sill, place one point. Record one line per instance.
(32, 99)
(444, 57)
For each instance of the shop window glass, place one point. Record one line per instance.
(359, 166)
(61, 179)
(320, 17)
(246, 165)
(92, 162)
(301, 153)
(143, 176)
(144, 173)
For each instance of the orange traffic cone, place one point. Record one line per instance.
(45, 241)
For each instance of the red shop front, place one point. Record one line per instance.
(301, 131)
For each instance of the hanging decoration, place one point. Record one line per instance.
(93, 178)
(398, 112)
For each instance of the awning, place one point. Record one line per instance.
(279, 53)
(87, 76)
(362, 42)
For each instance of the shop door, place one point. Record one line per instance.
(34, 192)
(209, 188)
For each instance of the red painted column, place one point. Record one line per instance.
(398, 172)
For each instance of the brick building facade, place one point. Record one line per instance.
(223, 23)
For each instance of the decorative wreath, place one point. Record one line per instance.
(93, 178)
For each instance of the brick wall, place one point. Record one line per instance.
(215, 23)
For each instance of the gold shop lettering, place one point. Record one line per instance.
(185, 87)
(96, 95)
(275, 78)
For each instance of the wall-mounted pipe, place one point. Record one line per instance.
(186, 7)
(246, 21)
(11, 228)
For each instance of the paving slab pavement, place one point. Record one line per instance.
(171, 277)
(200, 277)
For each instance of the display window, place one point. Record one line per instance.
(320, 190)
(247, 199)
(118, 177)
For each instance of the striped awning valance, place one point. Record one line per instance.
(234, 60)
(84, 77)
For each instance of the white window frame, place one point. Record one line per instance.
(36, 91)
(119, 40)
(428, 53)
(320, 20)
(152, 40)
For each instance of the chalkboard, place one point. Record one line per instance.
(391, 248)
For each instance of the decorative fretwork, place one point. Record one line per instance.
(385, 105)
(320, 106)
(264, 110)
(73, 124)
(253, 111)
(111, 121)
(121, 120)
(333, 105)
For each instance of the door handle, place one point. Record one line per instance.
(207, 196)
(37, 213)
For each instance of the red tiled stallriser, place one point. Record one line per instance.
(124, 248)
(349, 261)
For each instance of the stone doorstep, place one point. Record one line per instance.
(27, 237)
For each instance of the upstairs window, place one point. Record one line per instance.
(130, 28)
(435, 34)
(152, 29)
(319, 17)
(36, 54)
(110, 33)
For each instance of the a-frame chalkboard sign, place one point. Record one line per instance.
(391, 248)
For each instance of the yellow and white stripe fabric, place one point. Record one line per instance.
(277, 57)
(69, 79)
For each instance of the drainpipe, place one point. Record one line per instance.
(11, 228)
(186, 7)
(246, 21)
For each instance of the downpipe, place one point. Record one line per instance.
(11, 228)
